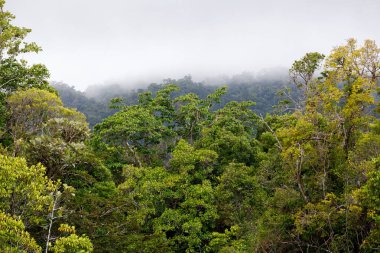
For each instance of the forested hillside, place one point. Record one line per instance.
(95, 101)
(95, 110)
(190, 168)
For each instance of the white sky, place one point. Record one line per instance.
(88, 42)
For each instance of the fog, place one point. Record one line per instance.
(134, 42)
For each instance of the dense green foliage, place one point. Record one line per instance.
(186, 171)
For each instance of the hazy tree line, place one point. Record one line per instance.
(95, 102)
(180, 172)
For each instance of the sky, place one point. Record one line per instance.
(131, 42)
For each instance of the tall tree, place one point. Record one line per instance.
(15, 73)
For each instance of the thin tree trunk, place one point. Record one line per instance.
(300, 184)
(137, 159)
(51, 218)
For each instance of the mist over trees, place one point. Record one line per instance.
(95, 101)
(185, 167)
